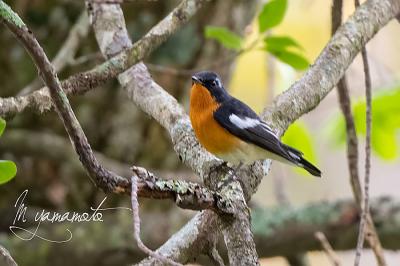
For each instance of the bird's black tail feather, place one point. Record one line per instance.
(296, 157)
(309, 167)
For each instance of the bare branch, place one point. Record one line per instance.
(367, 228)
(275, 228)
(185, 194)
(352, 146)
(40, 100)
(324, 74)
(105, 179)
(327, 248)
(136, 226)
(67, 52)
(109, 21)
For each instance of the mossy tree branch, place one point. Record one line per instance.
(188, 195)
(40, 100)
(154, 100)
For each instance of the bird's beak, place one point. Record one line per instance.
(196, 80)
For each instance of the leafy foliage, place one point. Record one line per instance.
(224, 36)
(385, 123)
(271, 14)
(298, 136)
(280, 42)
(293, 59)
(2, 126)
(279, 45)
(8, 169)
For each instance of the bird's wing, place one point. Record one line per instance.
(241, 121)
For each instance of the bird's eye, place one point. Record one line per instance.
(214, 83)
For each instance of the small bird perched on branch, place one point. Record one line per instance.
(232, 131)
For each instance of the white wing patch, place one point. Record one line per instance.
(267, 127)
(245, 122)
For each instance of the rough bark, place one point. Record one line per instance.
(305, 94)
(279, 231)
(40, 100)
(163, 107)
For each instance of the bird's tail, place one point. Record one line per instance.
(296, 157)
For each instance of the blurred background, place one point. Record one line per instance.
(252, 70)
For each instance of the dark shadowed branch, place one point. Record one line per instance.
(67, 52)
(189, 195)
(40, 100)
(330, 253)
(275, 228)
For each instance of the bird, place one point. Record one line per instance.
(232, 131)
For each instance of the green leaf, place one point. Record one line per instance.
(385, 123)
(384, 143)
(298, 136)
(2, 126)
(291, 58)
(224, 36)
(8, 170)
(271, 14)
(279, 43)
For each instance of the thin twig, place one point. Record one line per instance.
(136, 227)
(193, 196)
(352, 148)
(365, 226)
(345, 105)
(67, 52)
(104, 178)
(85, 81)
(327, 248)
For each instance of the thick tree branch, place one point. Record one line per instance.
(107, 180)
(275, 228)
(305, 94)
(141, 88)
(185, 194)
(282, 229)
(40, 100)
(149, 95)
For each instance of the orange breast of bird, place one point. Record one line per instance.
(210, 134)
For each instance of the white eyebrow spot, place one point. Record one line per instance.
(219, 84)
(244, 122)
